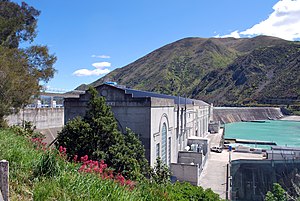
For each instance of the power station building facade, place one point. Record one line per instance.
(163, 123)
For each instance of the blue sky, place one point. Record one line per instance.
(96, 36)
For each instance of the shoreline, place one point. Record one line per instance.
(290, 118)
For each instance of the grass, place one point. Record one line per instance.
(43, 175)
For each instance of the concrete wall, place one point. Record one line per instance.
(186, 172)
(162, 112)
(190, 157)
(138, 120)
(42, 118)
(236, 114)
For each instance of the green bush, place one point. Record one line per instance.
(277, 194)
(27, 129)
(186, 191)
(160, 173)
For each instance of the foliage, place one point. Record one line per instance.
(21, 69)
(71, 184)
(17, 23)
(47, 165)
(186, 191)
(160, 173)
(97, 135)
(277, 194)
(27, 129)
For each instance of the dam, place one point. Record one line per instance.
(237, 114)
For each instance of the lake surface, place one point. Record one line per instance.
(284, 133)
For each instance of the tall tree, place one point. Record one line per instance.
(21, 69)
(17, 23)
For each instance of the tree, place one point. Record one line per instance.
(129, 156)
(97, 135)
(277, 194)
(21, 69)
(160, 174)
(17, 23)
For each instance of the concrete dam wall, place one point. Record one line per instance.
(48, 121)
(42, 118)
(237, 114)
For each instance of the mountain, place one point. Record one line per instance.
(225, 71)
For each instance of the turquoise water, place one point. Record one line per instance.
(284, 133)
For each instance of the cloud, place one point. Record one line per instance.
(101, 65)
(87, 72)
(101, 68)
(101, 56)
(234, 34)
(283, 22)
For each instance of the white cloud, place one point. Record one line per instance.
(101, 65)
(86, 72)
(283, 22)
(101, 56)
(234, 34)
(101, 68)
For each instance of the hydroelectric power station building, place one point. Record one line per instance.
(164, 123)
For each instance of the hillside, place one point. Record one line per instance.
(225, 71)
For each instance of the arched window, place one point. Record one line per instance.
(164, 143)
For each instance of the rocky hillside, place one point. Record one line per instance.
(225, 71)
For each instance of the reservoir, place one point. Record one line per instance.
(284, 133)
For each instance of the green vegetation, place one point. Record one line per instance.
(160, 173)
(97, 135)
(21, 69)
(37, 174)
(277, 194)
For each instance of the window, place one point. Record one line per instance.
(157, 150)
(164, 143)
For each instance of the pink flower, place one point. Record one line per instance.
(84, 158)
(75, 158)
(82, 168)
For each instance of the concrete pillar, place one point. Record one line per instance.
(4, 176)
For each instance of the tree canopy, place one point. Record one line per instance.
(21, 69)
(17, 23)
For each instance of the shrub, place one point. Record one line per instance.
(27, 129)
(186, 191)
(277, 194)
(160, 173)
